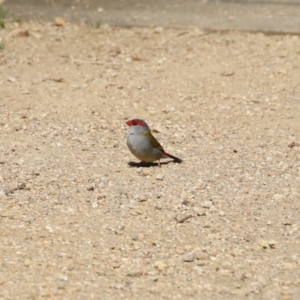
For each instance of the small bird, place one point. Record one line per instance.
(144, 145)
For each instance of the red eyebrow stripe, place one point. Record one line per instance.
(141, 123)
(136, 122)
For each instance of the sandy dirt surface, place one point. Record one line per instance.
(77, 222)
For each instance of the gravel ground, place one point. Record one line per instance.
(77, 222)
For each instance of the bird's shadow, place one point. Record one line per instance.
(144, 164)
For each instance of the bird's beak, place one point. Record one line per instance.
(128, 123)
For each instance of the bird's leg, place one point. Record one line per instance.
(159, 163)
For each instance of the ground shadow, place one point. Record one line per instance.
(144, 164)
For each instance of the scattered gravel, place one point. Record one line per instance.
(79, 222)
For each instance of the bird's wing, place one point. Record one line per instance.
(153, 141)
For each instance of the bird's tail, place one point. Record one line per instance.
(176, 159)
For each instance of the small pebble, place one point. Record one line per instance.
(207, 204)
(221, 213)
(188, 257)
(160, 265)
(159, 177)
(95, 204)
